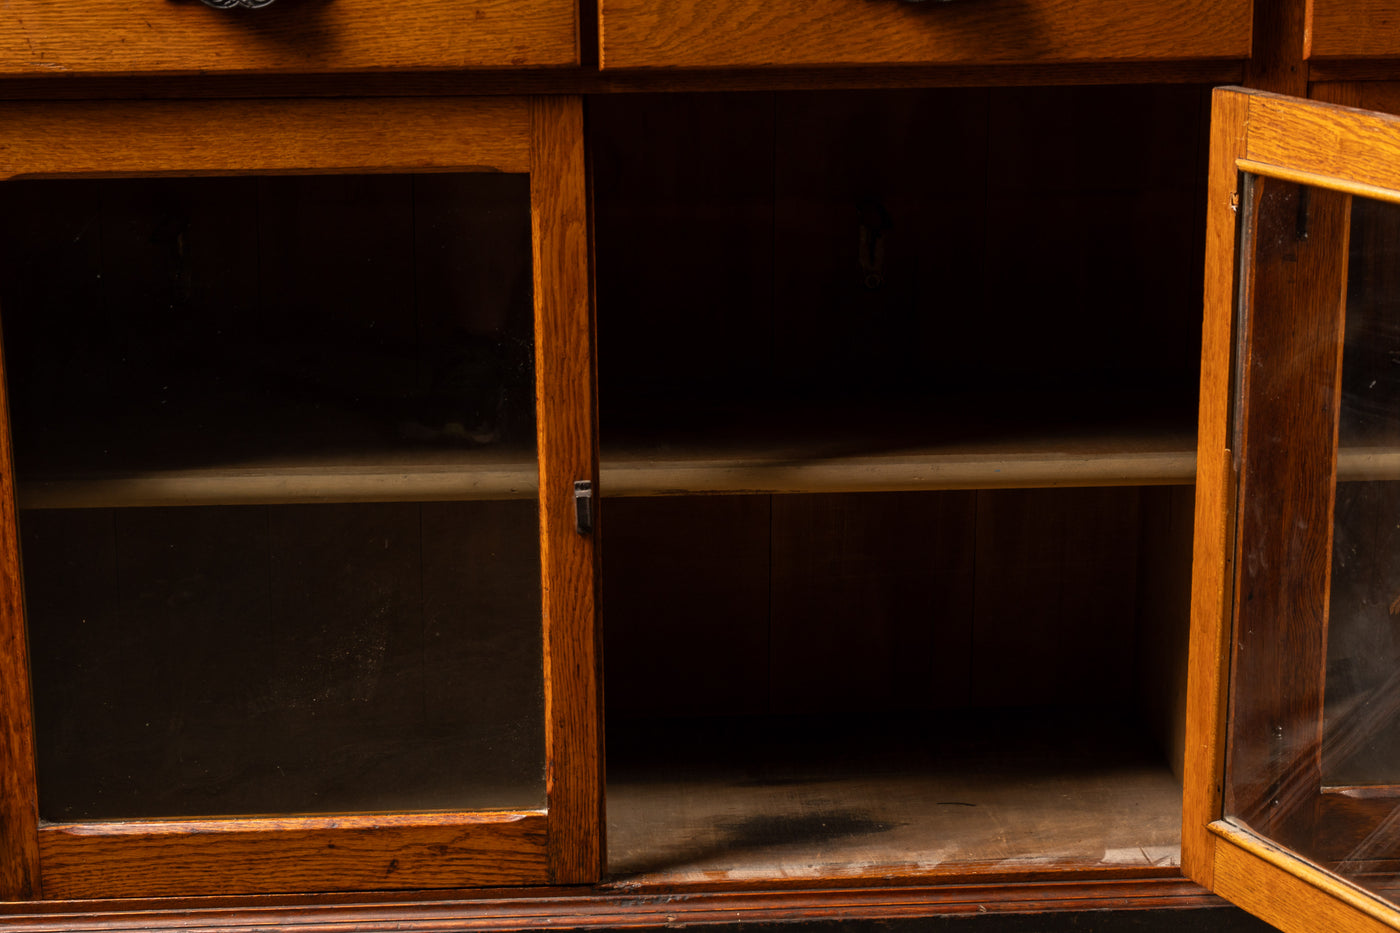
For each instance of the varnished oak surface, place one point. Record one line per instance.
(1350, 151)
(1292, 894)
(1327, 143)
(19, 810)
(149, 859)
(1353, 29)
(110, 37)
(589, 81)
(1213, 550)
(611, 907)
(568, 449)
(753, 33)
(251, 136)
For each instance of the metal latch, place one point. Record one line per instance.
(583, 506)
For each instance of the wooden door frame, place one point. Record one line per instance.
(561, 844)
(1353, 153)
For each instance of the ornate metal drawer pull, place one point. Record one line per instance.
(230, 4)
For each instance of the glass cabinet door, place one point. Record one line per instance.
(300, 585)
(1293, 800)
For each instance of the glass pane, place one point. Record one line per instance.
(275, 445)
(1320, 765)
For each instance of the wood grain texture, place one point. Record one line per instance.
(871, 602)
(584, 81)
(1292, 894)
(1277, 60)
(834, 798)
(1353, 29)
(1212, 550)
(429, 850)
(1164, 615)
(568, 451)
(1290, 386)
(687, 581)
(1068, 559)
(261, 136)
(1185, 906)
(1325, 141)
(19, 808)
(1382, 94)
(749, 33)
(111, 37)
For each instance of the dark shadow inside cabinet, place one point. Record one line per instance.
(275, 451)
(897, 401)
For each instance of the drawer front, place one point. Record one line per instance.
(114, 37)
(1353, 29)
(757, 33)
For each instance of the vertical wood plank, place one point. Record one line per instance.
(568, 450)
(872, 602)
(686, 598)
(1291, 386)
(1278, 61)
(19, 812)
(1164, 615)
(878, 230)
(1105, 231)
(1056, 577)
(685, 194)
(1212, 548)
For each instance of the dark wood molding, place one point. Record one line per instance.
(565, 909)
(589, 81)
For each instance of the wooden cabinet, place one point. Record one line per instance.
(892, 466)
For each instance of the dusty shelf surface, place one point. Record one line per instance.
(784, 799)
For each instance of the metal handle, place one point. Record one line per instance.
(231, 4)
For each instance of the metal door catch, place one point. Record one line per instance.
(583, 506)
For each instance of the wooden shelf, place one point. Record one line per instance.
(961, 793)
(282, 484)
(789, 466)
(1167, 459)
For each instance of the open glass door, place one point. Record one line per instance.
(1293, 780)
(296, 420)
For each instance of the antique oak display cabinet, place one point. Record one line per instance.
(820, 382)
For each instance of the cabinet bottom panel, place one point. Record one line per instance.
(1010, 792)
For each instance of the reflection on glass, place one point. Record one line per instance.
(222, 389)
(1315, 757)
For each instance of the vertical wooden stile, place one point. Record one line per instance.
(19, 810)
(568, 452)
(1211, 557)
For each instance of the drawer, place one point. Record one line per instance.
(758, 33)
(114, 37)
(1353, 29)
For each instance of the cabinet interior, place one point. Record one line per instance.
(906, 589)
(274, 440)
(897, 395)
